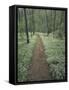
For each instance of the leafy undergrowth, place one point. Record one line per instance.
(24, 56)
(55, 52)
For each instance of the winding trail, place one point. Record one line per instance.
(38, 69)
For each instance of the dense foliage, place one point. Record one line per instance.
(55, 54)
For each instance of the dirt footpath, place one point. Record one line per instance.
(38, 69)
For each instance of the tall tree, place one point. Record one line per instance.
(26, 26)
(47, 23)
(33, 21)
(51, 21)
(54, 25)
(62, 25)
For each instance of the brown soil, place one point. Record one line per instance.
(38, 69)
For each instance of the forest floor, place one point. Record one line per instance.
(38, 69)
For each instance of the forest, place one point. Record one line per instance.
(41, 44)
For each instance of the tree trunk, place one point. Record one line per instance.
(47, 24)
(54, 22)
(33, 22)
(26, 26)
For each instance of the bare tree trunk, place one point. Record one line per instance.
(33, 22)
(51, 22)
(26, 26)
(54, 22)
(47, 24)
